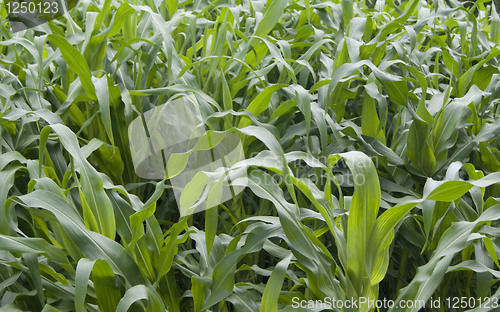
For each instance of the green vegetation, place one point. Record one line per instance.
(372, 134)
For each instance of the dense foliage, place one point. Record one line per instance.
(371, 129)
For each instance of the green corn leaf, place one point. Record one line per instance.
(136, 294)
(273, 286)
(76, 62)
(93, 245)
(260, 103)
(271, 17)
(107, 292)
(91, 183)
(362, 215)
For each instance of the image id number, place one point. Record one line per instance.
(32, 7)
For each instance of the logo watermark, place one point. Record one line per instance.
(433, 303)
(170, 141)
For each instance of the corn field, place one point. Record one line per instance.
(368, 173)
